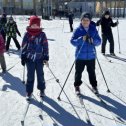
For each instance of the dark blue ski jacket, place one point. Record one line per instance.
(84, 49)
(35, 47)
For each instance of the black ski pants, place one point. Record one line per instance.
(4, 36)
(15, 41)
(104, 41)
(71, 27)
(79, 68)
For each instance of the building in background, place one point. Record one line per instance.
(96, 7)
(48, 8)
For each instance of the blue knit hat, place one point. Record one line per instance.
(86, 15)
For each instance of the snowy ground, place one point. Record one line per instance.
(12, 91)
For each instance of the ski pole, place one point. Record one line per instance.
(118, 37)
(23, 76)
(70, 71)
(103, 75)
(57, 80)
(102, 71)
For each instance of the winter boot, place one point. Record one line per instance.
(77, 90)
(103, 53)
(42, 94)
(112, 54)
(4, 71)
(95, 90)
(28, 96)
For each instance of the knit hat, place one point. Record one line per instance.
(106, 13)
(34, 20)
(4, 14)
(11, 18)
(86, 15)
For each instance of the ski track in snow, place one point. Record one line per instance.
(12, 91)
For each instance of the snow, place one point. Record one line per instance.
(12, 91)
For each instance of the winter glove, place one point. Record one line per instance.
(46, 58)
(117, 22)
(19, 34)
(46, 63)
(88, 39)
(23, 62)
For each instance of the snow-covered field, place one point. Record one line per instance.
(12, 91)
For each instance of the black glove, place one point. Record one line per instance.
(46, 57)
(20, 35)
(89, 39)
(117, 22)
(23, 62)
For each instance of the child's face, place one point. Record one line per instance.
(11, 21)
(35, 26)
(85, 22)
(106, 16)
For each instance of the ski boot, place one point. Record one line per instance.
(77, 90)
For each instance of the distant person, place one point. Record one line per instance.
(3, 22)
(35, 55)
(70, 16)
(106, 24)
(81, 9)
(12, 31)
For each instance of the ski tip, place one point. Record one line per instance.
(22, 123)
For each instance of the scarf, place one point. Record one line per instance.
(34, 32)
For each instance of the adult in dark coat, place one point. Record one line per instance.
(70, 16)
(106, 23)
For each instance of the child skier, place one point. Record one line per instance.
(11, 31)
(106, 24)
(34, 54)
(2, 50)
(85, 38)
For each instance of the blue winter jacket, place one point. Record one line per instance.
(35, 47)
(84, 49)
